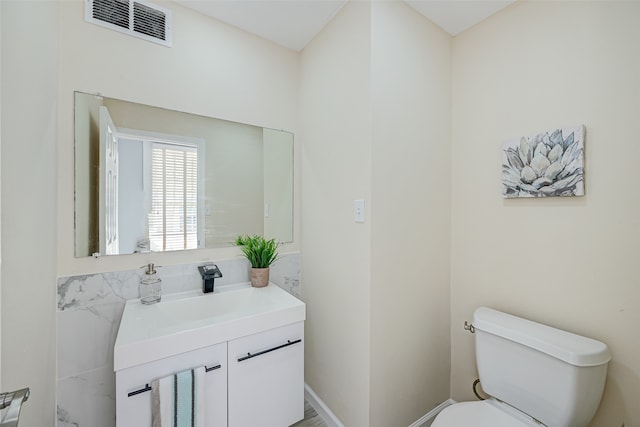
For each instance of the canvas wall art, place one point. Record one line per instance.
(549, 164)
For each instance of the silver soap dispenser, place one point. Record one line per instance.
(150, 286)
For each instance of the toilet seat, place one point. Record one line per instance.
(486, 413)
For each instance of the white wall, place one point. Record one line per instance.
(335, 130)
(410, 214)
(212, 69)
(375, 124)
(29, 129)
(569, 262)
(0, 196)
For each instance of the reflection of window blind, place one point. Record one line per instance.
(173, 220)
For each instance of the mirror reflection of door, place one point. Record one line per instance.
(151, 190)
(108, 200)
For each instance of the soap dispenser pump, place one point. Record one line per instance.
(150, 286)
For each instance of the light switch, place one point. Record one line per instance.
(358, 210)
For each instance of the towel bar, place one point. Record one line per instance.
(14, 401)
(147, 387)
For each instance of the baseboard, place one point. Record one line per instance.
(432, 413)
(323, 410)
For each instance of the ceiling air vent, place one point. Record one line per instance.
(136, 18)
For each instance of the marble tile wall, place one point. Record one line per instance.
(89, 312)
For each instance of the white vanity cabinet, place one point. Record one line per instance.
(133, 394)
(266, 378)
(253, 342)
(257, 380)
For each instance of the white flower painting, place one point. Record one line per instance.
(544, 165)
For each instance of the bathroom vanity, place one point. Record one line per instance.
(250, 341)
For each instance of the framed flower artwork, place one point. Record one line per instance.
(549, 164)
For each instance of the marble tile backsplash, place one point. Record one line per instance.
(88, 318)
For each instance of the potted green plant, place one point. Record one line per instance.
(261, 253)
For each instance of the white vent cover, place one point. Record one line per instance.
(136, 18)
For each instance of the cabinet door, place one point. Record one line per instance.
(266, 378)
(135, 410)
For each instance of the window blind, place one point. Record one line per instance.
(173, 220)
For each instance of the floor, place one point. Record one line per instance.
(311, 418)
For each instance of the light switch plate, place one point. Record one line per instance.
(358, 210)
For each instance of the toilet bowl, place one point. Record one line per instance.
(535, 374)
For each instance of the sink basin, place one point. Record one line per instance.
(189, 321)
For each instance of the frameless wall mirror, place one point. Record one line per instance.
(152, 179)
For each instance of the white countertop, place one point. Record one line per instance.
(191, 320)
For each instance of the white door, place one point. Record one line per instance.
(108, 194)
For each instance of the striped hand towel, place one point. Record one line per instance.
(178, 399)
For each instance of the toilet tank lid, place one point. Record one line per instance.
(571, 348)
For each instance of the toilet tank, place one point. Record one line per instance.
(549, 374)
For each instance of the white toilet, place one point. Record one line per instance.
(535, 374)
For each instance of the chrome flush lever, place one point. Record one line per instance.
(469, 327)
(14, 401)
